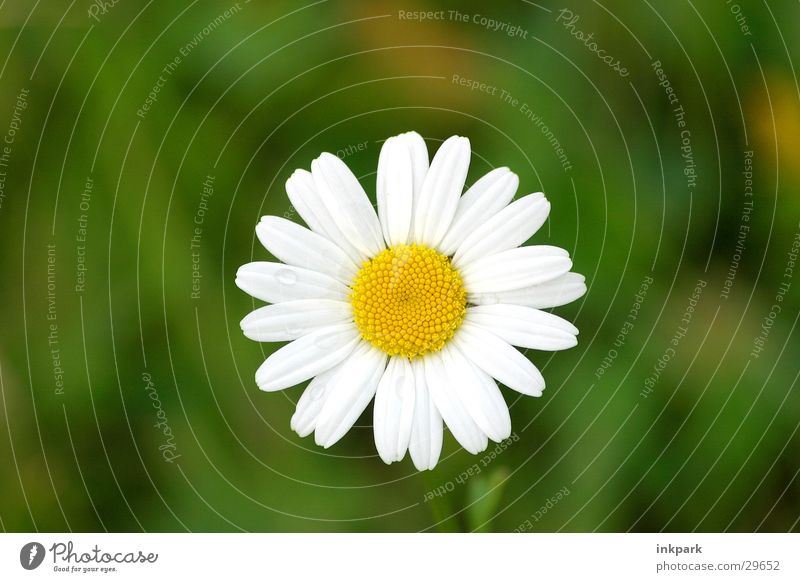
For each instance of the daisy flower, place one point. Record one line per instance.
(418, 305)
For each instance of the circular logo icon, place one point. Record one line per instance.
(31, 555)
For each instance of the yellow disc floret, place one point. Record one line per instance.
(408, 300)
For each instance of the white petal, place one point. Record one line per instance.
(419, 159)
(425, 444)
(304, 419)
(499, 359)
(478, 393)
(296, 245)
(441, 191)
(307, 202)
(304, 198)
(395, 190)
(482, 201)
(524, 326)
(276, 282)
(394, 410)
(507, 229)
(444, 392)
(554, 293)
(351, 389)
(291, 319)
(306, 357)
(347, 204)
(515, 268)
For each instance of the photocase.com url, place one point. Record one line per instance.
(741, 566)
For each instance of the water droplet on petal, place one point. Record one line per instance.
(286, 277)
(317, 392)
(325, 341)
(293, 329)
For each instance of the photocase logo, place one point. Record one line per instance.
(31, 555)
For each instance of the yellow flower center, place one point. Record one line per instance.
(408, 300)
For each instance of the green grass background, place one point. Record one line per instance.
(714, 447)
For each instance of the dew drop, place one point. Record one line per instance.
(317, 392)
(325, 341)
(286, 277)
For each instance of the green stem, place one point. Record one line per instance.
(440, 506)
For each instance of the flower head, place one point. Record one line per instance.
(418, 305)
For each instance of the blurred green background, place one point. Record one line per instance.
(104, 347)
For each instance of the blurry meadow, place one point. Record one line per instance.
(148, 138)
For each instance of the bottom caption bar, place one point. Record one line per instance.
(388, 557)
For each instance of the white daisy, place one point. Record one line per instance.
(417, 305)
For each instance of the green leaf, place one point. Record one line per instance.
(484, 493)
